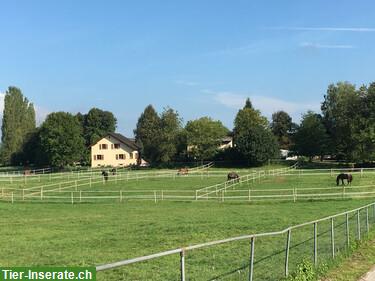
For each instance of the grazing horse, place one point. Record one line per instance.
(232, 176)
(105, 175)
(113, 171)
(183, 171)
(343, 177)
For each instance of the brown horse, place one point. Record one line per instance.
(343, 177)
(183, 171)
(232, 176)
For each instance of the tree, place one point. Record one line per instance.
(282, 127)
(96, 124)
(340, 106)
(257, 144)
(311, 138)
(18, 121)
(203, 137)
(252, 136)
(248, 117)
(61, 139)
(170, 134)
(147, 134)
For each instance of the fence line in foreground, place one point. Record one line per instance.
(254, 237)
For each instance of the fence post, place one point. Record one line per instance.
(331, 172)
(358, 226)
(162, 195)
(23, 194)
(155, 196)
(12, 198)
(196, 195)
(332, 238)
(249, 195)
(367, 223)
(347, 231)
(361, 172)
(71, 194)
(90, 182)
(251, 265)
(182, 264)
(315, 243)
(120, 195)
(41, 193)
(287, 253)
(80, 196)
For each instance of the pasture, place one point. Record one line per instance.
(38, 230)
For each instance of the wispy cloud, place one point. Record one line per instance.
(267, 105)
(186, 83)
(345, 29)
(239, 50)
(325, 46)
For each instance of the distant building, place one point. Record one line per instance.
(114, 150)
(225, 142)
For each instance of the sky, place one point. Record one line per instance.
(201, 58)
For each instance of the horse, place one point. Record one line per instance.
(183, 171)
(343, 177)
(113, 171)
(232, 176)
(105, 175)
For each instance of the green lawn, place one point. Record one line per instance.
(92, 234)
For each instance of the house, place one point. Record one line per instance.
(225, 142)
(114, 150)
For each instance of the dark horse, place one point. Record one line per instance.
(232, 176)
(343, 177)
(105, 175)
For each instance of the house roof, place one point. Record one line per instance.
(124, 140)
(128, 142)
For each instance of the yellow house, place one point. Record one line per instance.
(114, 150)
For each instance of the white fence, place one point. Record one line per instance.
(332, 220)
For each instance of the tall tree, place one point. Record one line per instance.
(204, 136)
(148, 134)
(340, 104)
(61, 139)
(96, 124)
(281, 127)
(18, 121)
(311, 138)
(252, 136)
(170, 134)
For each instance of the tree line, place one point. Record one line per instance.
(344, 130)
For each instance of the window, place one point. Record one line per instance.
(104, 146)
(120, 156)
(99, 157)
(136, 155)
(131, 155)
(117, 146)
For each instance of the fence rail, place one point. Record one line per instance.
(255, 237)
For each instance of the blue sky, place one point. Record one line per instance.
(202, 58)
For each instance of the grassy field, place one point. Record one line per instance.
(166, 184)
(92, 234)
